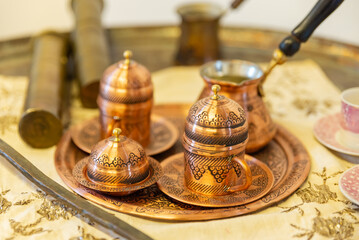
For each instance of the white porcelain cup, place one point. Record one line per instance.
(349, 121)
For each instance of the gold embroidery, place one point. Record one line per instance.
(24, 202)
(8, 99)
(39, 194)
(52, 210)
(335, 228)
(324, 176)
(5, 192)
(4, 203)
(85, 236)
(7, 121)
(350, 212)
(318, 194)
(26, 230)
(310, 106)
(289, 209)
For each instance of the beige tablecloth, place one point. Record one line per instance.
(298, 93)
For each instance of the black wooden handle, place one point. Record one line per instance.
(291, 44)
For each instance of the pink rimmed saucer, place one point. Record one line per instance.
(349, 184)
(327, 132)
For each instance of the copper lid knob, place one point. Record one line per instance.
(117, 160)
(215, 88)
(127, 55)
(216, 121)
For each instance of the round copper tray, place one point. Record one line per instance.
(163, 135)
(285, 156)
(172, 184)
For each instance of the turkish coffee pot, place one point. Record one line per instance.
(242, 81)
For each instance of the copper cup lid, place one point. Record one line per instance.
(216, 121)
(118, 160)
(117, 166)
(125, 82)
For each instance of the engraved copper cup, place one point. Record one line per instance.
(216, 133)
(240, 81)
(125, 100)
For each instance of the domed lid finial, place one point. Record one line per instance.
(127, 55)
(116, 134)
(215, 88)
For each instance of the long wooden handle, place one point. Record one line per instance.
(84, 208)
(291, 44)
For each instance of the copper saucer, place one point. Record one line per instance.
(80, 174)
(163, 135)
(172, 184)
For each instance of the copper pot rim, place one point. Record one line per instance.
(247, 82)
(72, 4)
(208, 11)
(80, 174)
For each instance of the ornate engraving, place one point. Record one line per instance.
(100, 177)
(172, 184)
(217, 121)
(275, 158)
(218, 167)
(115, 98)
(226, 140)
(103, 160)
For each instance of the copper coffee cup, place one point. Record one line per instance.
(125, 100)
(216, 134)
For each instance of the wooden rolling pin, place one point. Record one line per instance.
(90, 48)
(40, 125)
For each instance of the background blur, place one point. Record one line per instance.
(26, 17)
